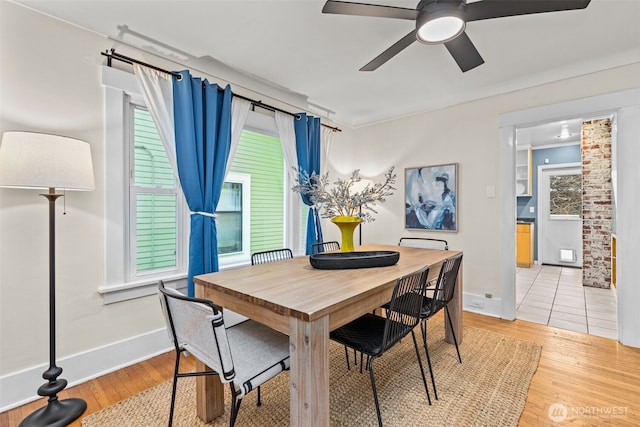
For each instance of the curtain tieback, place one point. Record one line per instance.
(209, 214)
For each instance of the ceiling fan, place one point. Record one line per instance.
(444, 21)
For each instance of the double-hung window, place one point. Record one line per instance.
(154, 201)
(147, 218)
(147, 223)
(271, 212)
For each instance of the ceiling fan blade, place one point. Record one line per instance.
(488, 9)
(391, 52)
(464, 52)
(363, 9)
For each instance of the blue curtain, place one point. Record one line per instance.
(307, 129)
(202, 114)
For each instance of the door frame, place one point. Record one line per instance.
(626, 105)
(540, 228)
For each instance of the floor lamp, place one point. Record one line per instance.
(36, 160)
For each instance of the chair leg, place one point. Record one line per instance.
(423, 327)
(235, 405)
(424, 379)
(259, 398)
(453, 333)
(346, 356)
(174, 388)
(373, 388)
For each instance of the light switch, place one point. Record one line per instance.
(491, 191)
(532, 209)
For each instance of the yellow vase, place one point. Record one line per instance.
(347, 225)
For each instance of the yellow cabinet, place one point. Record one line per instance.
(524, 245)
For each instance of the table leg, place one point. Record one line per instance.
(309, 376)
(209, 389)
(455, 310)
(209, 395)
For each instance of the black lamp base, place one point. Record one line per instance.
(57, 413)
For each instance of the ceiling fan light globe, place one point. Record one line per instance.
(439, 23)
(440, 30)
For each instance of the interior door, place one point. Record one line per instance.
(560, 214)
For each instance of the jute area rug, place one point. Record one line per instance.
(488, 389)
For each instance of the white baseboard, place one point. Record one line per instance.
(481, 304)
(20, 387)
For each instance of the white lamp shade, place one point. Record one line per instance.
(37, 160)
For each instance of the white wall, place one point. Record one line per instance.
(468, 134)
(50, 82)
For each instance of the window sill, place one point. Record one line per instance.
(146, 287)
(140, 288)
(564, 218)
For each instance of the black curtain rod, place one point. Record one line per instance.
(119, 57)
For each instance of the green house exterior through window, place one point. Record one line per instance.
(259, 156)
(154, 197)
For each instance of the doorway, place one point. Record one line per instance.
(551, 292)
(625, 104)
(560, 215)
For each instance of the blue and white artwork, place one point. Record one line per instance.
(430, 197)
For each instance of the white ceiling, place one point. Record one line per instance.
(553, 133)
(290, 50)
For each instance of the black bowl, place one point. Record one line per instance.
(346, 260)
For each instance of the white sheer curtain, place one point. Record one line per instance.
(239, 112)
(287, 134)
(326, 136)
(284, 123)
(157, 90)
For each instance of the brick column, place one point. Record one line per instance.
(596, 203)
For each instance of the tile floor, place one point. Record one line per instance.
(554, 296)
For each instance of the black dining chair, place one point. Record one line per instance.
(373, 335)
(317, 248)
(271, 256)
(442, 295)
(424, 242)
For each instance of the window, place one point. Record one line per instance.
(271, 216)
(230, 219)
(565, 196)
(153, 200)
(146, 233)
(260, 156)
(147, 220)
(233, 219)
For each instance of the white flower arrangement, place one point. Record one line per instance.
(339, 200)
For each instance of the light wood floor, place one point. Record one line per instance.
(592, 377)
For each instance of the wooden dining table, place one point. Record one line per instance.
(306, 303)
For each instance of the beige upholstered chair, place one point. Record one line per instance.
(245, 355)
